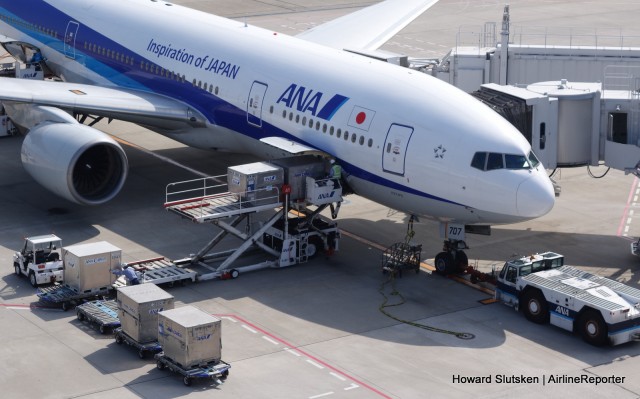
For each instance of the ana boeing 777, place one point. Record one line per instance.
(404, 139)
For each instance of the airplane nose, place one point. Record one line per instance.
(535, 196)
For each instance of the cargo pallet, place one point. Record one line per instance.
(103, 314)
(158, 271)
(122, 337)
(218, 371)
(65, 296)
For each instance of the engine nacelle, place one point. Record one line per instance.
(75, 161)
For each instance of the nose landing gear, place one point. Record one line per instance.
(452, 259)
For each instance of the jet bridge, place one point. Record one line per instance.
(280, 207)
(576, 123)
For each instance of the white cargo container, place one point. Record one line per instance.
(255, 181)
(138, 307)
(189, 336)
(88, 266)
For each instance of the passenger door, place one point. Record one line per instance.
(70, 39)
(395, 147)
(254, 103)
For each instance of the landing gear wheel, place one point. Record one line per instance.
(535, 307)
(462, 261)
(102, 329)
(80, 315)
(592, 328)
(65, 306)
(234, 274)
(141, 354)
(187, 381)
(33, 280)
(159, 365)
(16, 269)
(119, 339)
(444, 263)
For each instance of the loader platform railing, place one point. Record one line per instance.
(206, 199)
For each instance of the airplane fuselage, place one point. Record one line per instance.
(403, 138)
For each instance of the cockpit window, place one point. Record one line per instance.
(516, 161)
(533, 160)
(479, 160)
(495, 161)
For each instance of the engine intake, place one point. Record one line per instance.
(75, 161)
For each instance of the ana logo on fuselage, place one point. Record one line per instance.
(308, 100)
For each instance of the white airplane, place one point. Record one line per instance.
(403, 138)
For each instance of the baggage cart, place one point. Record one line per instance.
(101, 313)
(66, 297)
(122, 337)
(218, 371)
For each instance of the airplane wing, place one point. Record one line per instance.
(117, 103)
(369, 28)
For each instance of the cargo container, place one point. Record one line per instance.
(88, 266)
(297, 169)
(138, 307)
(255, 181)
(189, 336)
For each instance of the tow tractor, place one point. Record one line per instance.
(39, 260)
(601, 310)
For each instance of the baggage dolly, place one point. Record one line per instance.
(217, 371)
(103, 314)
(122, 337)
(66, 297)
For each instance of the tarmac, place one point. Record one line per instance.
(316, 330)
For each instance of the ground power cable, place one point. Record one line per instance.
(391, 279)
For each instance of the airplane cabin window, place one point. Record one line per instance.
(331, 131)
(346, 136)
(310, 123)
(388, 148)
(324, 128)
(339, 134)
(284, 114)
(304, 121)
(370, 143)
(495, 161)
(479, 160)
(361, 140)
(353, 138)
(318, 126)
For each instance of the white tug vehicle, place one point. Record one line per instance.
(601, 310)
(40, 260)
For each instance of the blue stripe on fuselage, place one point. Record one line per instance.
(216, 110)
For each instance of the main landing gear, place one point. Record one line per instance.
(452, 259)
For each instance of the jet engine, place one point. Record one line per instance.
(75, 161)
